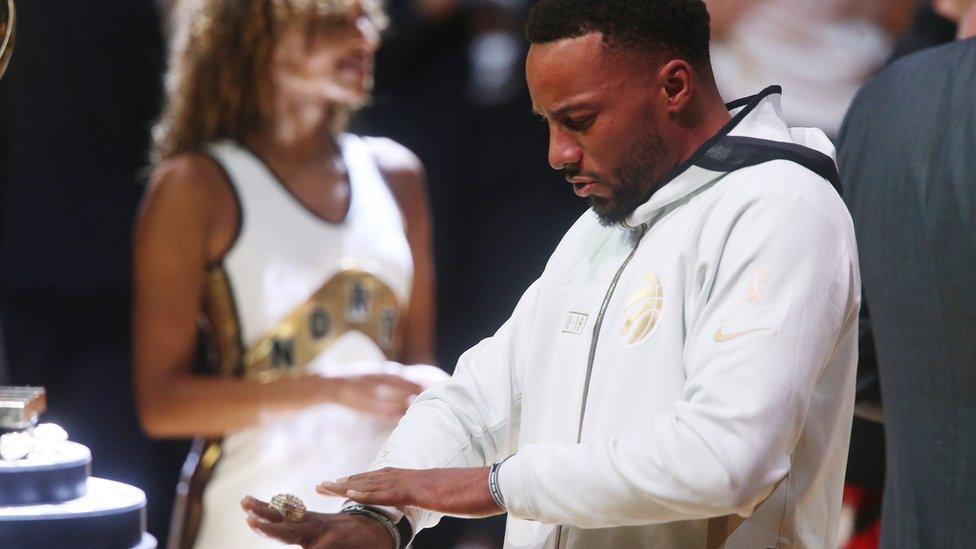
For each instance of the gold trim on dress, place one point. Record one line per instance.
(223, 329)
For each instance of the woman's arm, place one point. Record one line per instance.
(188, 219)
(406, 177)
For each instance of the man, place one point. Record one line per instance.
(907, 159)
(681, 375)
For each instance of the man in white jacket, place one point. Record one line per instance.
(681, 375)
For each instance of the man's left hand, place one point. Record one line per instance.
(316, 530)
(457, 492)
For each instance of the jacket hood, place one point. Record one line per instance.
(757, 133)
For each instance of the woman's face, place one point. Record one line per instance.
(330, 61)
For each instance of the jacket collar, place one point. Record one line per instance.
(758, 116)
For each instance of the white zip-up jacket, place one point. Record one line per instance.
(683, 380)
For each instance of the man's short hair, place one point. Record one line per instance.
(678, 27)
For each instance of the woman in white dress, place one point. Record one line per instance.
(301, 252)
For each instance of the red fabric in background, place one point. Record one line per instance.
(867, 506)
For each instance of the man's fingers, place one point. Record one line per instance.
(372, 481)
(287, 532)
(260, 509)
(341, 489)
(383, 480)
(381, 487)
(331, 489)
(383, 497)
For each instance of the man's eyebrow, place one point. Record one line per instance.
(568, 109)
(563, 111)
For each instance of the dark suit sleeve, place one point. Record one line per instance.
(867, 403)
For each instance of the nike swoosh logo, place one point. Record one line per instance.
(722, 337)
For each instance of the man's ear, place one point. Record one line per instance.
(676, 85)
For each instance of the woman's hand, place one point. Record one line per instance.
(381, 395)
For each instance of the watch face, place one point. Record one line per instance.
(8, 29)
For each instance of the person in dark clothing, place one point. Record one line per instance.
(928, 29)
(76, 106)
(906, 159)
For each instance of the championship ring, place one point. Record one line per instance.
(291, 508)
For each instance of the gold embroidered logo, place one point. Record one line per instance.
(722, 337)
(642, 313)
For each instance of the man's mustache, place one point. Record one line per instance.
(570, 173)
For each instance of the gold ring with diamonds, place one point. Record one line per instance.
(291, 508)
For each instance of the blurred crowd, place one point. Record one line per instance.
(85, 87)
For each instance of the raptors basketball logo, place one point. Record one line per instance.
(642, 313)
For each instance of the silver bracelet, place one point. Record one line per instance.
(493, 487)
(391, 528)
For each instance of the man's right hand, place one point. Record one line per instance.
(317, 530)
(382, 395)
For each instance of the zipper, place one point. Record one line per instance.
(596, 336)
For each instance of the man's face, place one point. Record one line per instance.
(605, 121)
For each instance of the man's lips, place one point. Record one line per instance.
(585, 187)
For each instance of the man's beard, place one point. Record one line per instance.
(634, 180)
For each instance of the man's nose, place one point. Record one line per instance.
(563, 150)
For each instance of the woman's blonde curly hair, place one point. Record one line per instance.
(218, 83)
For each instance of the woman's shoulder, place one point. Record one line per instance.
(192, 175)
(394, 159)
(401, 168)
(191, 191)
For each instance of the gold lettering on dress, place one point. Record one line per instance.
(388, 321)
(359, 301)
(319, 323)
(354, 299)
(283, 353)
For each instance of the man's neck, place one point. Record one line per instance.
(704, 122)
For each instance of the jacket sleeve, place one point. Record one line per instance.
(470, 420)
(774, 286)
